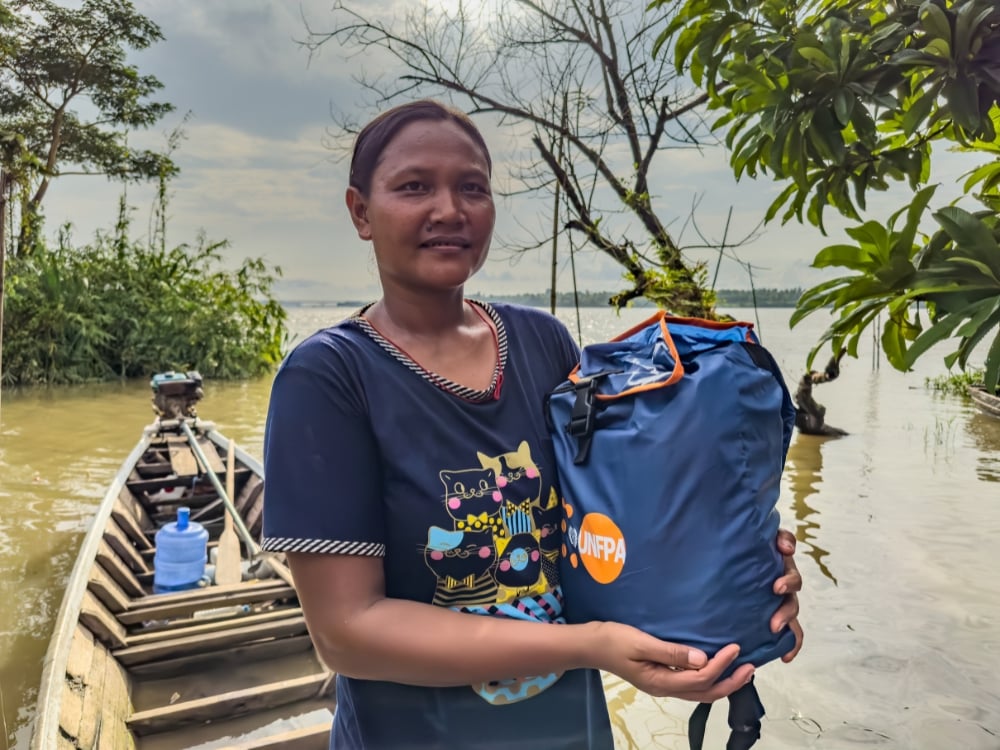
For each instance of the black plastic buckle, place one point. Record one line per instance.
(581, 419)
(583, 416)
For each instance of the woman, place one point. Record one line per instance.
(409, 471)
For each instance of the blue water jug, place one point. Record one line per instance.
(181, 554)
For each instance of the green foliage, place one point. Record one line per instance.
(684, 292)
(841, 97)
(955, 273)
(68, 92)
(117, 309)
(956, 383)
(838, 98)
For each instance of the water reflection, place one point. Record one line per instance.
(985, 433)
(804, 468)
(643, 723)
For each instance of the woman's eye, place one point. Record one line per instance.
(412, 186)
(475, 187)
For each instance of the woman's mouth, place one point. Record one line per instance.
(446, 243)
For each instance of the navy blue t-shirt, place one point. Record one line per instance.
(365, 454)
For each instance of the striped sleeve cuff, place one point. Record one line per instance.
(322, 546)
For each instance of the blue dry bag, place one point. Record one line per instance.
(670, 441)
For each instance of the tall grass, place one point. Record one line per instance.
(956, 382)
(118, 308)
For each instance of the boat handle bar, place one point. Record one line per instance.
(244, 533)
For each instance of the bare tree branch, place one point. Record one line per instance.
(519, 65)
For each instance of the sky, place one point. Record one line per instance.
(258, 170)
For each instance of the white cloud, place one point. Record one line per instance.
(249, 36)
(255, 169)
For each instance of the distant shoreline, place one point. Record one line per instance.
(725, 298)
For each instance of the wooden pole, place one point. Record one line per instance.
(555, 216)
(226, 500)
(253, 549)
(555, 253)
(4, 190)
(228, 559)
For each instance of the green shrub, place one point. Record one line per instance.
(956, 382)
(119, 309)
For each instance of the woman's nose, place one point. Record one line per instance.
(447, 207)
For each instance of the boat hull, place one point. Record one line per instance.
(214, 666)
(988, 403)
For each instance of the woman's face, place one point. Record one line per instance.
(429, 212)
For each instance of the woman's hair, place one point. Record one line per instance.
(376, 135)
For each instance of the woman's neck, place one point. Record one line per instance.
(421, 315)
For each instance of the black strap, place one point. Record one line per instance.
(581, 420)
(696, 725)
(762, 358)
(584, 413)
(745, 713)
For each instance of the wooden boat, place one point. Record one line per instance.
(988, 403)
(211, 667)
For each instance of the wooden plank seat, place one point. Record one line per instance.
(184, 462)
(151, 469)
(315, 737)
(184, 604)
(140, 486)
(208, 642)
(193, 628)
(214, 505)
(225, 705)
(241, 501)
(257, 652)
(169, 514)
(151, 486)
(203, 594)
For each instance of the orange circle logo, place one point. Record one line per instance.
(602, 547)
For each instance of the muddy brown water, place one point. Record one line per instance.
(898, 527)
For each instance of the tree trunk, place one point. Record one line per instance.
(3, 263)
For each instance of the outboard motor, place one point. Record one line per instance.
(176, 393)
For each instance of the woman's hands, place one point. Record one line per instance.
(788, 585)
(663, 669)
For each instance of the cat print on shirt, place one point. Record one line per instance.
(515, 475)
(463, 562)
(519, 559)
(472, 499)
(492, 552)
(547, 519)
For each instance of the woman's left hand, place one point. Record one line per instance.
(788, 586)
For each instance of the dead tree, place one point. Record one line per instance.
(810, 415)
(577, 80)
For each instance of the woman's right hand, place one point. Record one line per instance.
(663, 669)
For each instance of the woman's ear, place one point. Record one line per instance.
(358, 208)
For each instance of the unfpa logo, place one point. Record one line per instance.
(599, 544)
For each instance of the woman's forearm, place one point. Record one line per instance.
(420, 644)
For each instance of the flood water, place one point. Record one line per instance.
(898, 526)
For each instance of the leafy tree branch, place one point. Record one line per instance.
(841, 98)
